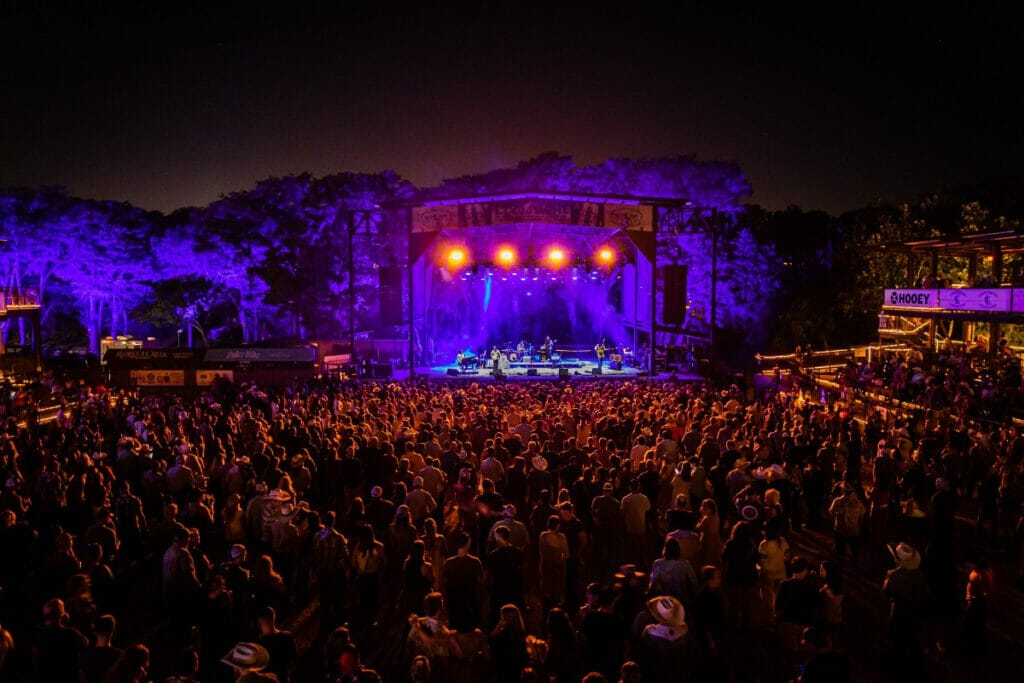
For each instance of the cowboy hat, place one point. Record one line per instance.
(247, 657)
(628, 572)
(539, 463)
(905, 555)
(667, 611)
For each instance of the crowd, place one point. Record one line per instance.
(961, 381)
(534, 531)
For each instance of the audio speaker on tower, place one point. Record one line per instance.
(673, 303)
(390, 280)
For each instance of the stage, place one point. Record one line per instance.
(576, 371)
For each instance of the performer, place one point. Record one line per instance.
(495, 357)
(546, 348)
(600, 349)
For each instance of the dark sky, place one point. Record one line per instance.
(174, 107)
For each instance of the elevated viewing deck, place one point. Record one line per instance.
(24, 302)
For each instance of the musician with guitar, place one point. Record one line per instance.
(600, 350)
(546, 349)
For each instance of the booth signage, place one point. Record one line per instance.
(996, 300)
(205, 378)
(260, 355)
(158, 378)
(911, 298)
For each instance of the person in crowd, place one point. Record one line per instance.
(847, 513)
(463, 581)
(101, 655)
(369, 565)
(603, 635)
(554, 556)
(508, 645)
(417, 577)
(906, 589)
(279, 644)
(831, 602)
(664, 646)
(739, 563)
(248, 661)
(774, 555)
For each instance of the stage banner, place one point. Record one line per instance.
(205, 378)
(158, 378)
(996, 300)
(531, 211)
(434, 218)
(260, 355)
(911, 298)
(629, 217)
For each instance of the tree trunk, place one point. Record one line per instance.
(242, 323)
(188, 326)
(94, 321)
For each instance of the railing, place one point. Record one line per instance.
(23, 299)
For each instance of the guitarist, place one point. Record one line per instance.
(600, 351)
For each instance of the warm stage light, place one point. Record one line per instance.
(556, 257)
(506, 257)
(457, 257)
(606, 256)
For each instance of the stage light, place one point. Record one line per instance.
(457, 257)
(557, 257)
(506, 257)
(605, 256)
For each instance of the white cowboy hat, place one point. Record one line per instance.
(539, 463)
(247, 657)
(668, 611)
(905, 555)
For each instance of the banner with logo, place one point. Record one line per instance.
(205, 378)
(997, 300)
(631, 217)
(911, 298)
(550, 210)
(158, 378)
(434, 218)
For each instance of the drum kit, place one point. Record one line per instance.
(525, 352)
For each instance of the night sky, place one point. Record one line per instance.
(832, 111)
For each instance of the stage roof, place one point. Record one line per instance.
(1008, 241)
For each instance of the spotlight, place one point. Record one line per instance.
(457, 257)
(605, 256)
(506, 257)
(556, 257)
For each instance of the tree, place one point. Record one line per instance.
(183, 301)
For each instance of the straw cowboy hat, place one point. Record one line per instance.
(247, 657)
(667, 611)
(539, 463)
(905, 555)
